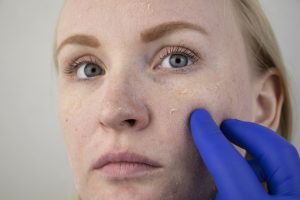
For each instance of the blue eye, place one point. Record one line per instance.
(178, 57)
(88, 70)
(176, 61)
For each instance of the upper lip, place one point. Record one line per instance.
(124, 157)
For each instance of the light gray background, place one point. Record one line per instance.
(33, 163)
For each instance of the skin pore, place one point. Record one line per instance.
(131, 43)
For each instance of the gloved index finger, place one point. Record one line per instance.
(278, 159)
(229, 169)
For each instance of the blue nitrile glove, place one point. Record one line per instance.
(274, 159)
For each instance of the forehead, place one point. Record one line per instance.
(99, 17)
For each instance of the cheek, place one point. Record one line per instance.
(186, 99)
(172, 108)
(228, 97)
(77, 119)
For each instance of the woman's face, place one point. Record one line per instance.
(130, 74)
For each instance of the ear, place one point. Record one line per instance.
(269, 99)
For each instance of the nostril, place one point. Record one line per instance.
(131, 122)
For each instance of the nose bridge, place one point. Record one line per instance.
(122, 106)
(120, 87)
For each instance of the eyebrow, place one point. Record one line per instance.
(80, 39)
(159, 31)
(147, 36)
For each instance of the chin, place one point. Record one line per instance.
(146, 191)
(123, 191)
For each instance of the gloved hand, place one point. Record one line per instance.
(275, 161)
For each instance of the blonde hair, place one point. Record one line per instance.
(264, 50)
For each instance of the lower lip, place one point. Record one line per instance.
(121, 170)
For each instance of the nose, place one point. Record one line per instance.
(122, 106)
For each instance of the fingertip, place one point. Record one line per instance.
(201, 122)
(227, 123)
(200, 114)
(202, 125)
(235, 126)
(234, 130)
(200, 111)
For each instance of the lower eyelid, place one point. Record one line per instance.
(183, 70)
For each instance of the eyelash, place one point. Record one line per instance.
(74, 64)
(178, 49)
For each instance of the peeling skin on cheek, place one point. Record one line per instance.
(173, 110)
(180, 92)
(206, 96)
(147, 4)
(216, 95)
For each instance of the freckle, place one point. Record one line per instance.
(66, 120)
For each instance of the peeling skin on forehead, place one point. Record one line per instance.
(89, 10)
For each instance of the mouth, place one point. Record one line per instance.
(125, 165)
